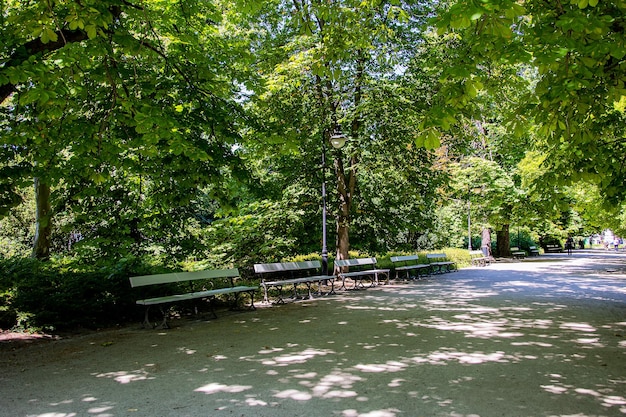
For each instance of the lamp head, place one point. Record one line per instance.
(337, 140)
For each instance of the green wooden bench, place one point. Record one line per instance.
(553, 248)
(408, 263)
(440, 263)
(533, 251)
(360, 269)
(220, 281)
(280, 274)
(478, 258)
(517, 253)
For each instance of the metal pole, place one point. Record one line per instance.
(324, 248)
(469, 221)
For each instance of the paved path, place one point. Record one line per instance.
(536, 338)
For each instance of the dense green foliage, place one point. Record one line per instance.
(160, 134)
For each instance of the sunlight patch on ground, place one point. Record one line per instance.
(390, 412)
(57, 415)
(294, 394)
(442, 357)
(483, 329)
(581, 327)
(338, 384)
(294, 358)
(125, 377)
(604, 397)
(255, 402)
(215, 387)
(390, 366)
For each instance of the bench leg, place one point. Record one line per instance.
(266, 299)
(279, 300)
(163, 324)
(332, 287)
(343, 283)
(146, 318)
(252, 307)
(236, 296)
(148, 324)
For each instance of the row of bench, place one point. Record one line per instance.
(477, 258)
(279, 276)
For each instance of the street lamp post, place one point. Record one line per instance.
(469, 220)
(337, 140)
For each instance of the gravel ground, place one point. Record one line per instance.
(541, 337)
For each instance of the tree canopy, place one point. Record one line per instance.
(151, 125)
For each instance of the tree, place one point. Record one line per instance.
(330, 62)
(104, 98)
(577, 48)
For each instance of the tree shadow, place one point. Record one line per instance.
(547, 340)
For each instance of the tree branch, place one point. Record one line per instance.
(36, 47)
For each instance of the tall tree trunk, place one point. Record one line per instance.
(502, 242)
(43, 219)
(343, 215)
(346, 184)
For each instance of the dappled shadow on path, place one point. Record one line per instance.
(510, 340)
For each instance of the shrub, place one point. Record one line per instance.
(62, 295)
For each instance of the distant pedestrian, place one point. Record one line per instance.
(485, 242)
(569, 245)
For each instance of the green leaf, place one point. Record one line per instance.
(92, 31)
(48, 35)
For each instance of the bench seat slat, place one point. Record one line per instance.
(409, 264)
(182, 277)
(298, 280)
(193, 295)
(289, 269)
(440, 260)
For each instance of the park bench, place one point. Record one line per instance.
(517, 253)
(553, 248)
(408, 263)
(280, 274)
(478, 258)
(220, 281)
(533, 251)
(360, 269)
(440, 263)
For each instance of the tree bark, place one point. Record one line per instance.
(343, 215)
(43, 219)
(502, 242)
(346, 183)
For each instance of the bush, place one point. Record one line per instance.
(59, 295)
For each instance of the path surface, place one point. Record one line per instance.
(534, 338)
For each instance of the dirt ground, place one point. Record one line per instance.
(541, 337)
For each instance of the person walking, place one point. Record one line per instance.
(485, 242)
(569, 245)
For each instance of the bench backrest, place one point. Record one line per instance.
(404, 258)
(285, 266)
(355, 262)
(182, 276)
(476, 253)
(432, 256)
(514, 249)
